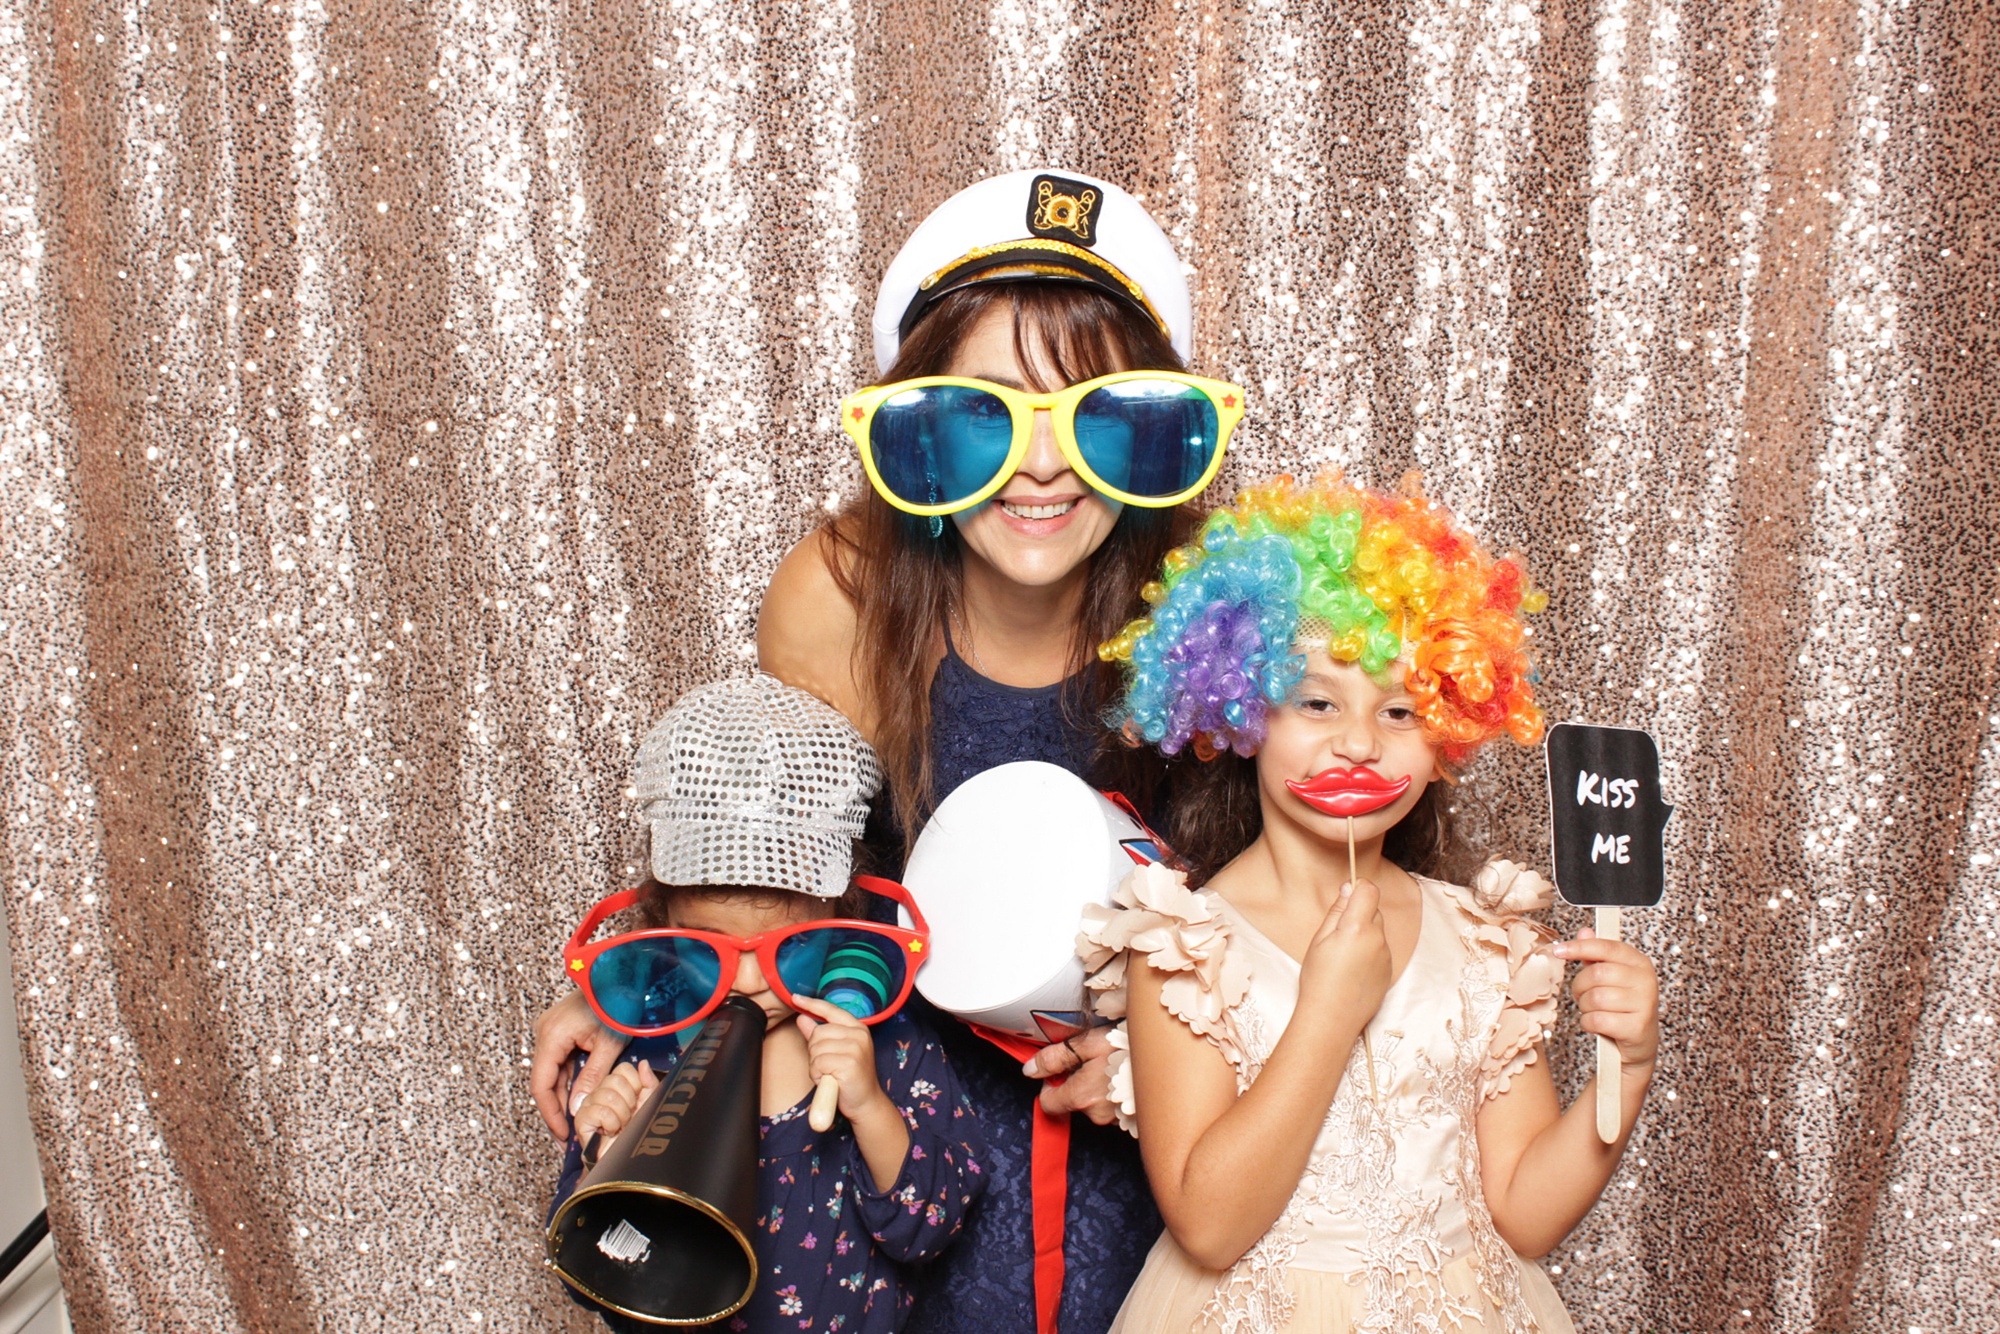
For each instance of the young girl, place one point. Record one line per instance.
(1336, 1076)
(753, 794)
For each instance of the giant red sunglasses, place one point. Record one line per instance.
(664, 979)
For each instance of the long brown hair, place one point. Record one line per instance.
(902, 580)
(1215, 816)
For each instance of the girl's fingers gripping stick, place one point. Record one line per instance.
(1610, 1083)
(826, 1094)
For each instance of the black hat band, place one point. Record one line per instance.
(1029, 257)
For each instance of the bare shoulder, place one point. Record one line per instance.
(807, 629)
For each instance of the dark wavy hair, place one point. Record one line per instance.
(902, 580)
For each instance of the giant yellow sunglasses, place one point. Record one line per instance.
(941, 444)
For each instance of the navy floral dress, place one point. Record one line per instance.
(986, 1281)
(830, 1247)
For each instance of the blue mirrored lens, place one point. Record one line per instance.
(1147, 437)
(861, 971)
(655, 981)
(938, 444)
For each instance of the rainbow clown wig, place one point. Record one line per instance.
(1376, 579)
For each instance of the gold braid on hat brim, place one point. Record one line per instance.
(1064, 248)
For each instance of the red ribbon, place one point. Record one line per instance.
(1048, 1157)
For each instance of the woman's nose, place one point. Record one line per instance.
(1044, 462)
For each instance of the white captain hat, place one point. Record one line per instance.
(1036, 224)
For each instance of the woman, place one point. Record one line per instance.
(953, 612)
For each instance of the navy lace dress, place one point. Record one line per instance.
(985, 1282)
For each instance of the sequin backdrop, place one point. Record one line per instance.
(403, 402)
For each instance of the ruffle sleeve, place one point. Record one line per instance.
(1182, 933)
(1518, 954)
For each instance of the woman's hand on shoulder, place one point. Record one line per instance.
(1347, 965)
(807, 629)
(564, 1029)
(1617, 995)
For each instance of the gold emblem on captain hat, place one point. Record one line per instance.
(1056, 212)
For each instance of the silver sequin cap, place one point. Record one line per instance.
(753, 782)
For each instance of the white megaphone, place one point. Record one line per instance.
(1003, 871)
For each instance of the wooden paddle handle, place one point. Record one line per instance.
(1610, 1083)
(826, 1101)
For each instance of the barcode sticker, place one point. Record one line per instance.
(625, 1243)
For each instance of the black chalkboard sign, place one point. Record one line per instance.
(1608, 818)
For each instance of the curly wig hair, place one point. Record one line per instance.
(1387, 581)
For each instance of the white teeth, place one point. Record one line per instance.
(1038, 511)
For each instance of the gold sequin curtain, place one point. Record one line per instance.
(403, 402)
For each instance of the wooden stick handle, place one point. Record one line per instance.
(1610, 1083)
(826, 1101)
(1367, 1045)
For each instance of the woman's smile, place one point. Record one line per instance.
(1026, 511)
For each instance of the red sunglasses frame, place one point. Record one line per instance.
(579, 955)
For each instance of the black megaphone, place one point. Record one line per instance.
(660, 1229)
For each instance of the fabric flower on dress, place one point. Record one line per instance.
(1503, 887)
(1519, 961)
(1180, 932)
(1534, 988)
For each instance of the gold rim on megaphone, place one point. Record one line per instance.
(686, 1166)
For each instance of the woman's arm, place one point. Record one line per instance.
(1542, 1168)
(807, 631)
(1223, 1167)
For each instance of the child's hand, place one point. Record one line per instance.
(838, 1044)
(612, 1103)
(1618, 994)
(1347, 963)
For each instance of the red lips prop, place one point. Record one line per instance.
(1348, 791)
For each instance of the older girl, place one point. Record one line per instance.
(1336, 1059)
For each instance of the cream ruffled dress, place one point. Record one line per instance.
(1388, 1230)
